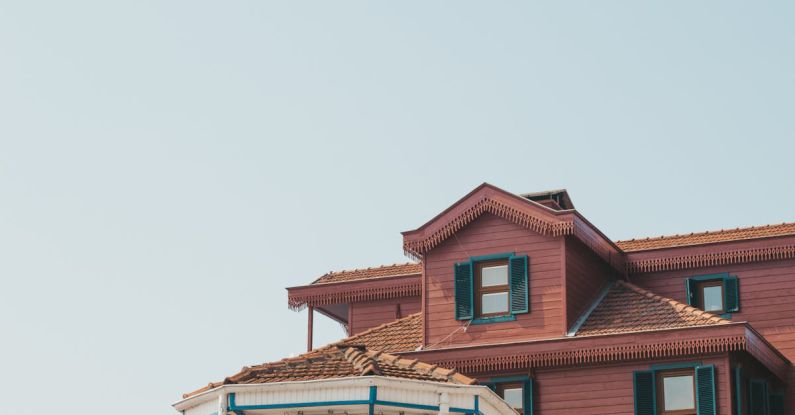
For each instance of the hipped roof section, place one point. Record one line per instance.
(402, 335)
(628, 308)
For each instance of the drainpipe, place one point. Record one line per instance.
(444, 403)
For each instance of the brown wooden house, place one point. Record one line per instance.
(524, 295)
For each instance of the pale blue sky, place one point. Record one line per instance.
(166, 168)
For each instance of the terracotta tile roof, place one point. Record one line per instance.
(403, 335)
(340, 361)
(394, 270)
(629, 308)
(723, 235)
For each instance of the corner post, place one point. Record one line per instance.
(444, 403)
(372, 400)
(222, 403)
(310, 324)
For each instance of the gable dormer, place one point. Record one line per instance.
(496, 268)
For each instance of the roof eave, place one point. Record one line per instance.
(475, 191)
(353, 291)
(602, 348)
(713, 254)
(350, 282)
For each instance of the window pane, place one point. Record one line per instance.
(713, 298)
(494, 303)
(678, 392)
(513, 397)
(496, 275)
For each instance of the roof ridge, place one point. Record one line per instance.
(362, 362)
(425, 368)
(267, 367)
(762, 231)
(676, 305)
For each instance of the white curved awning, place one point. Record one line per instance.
(371, 395)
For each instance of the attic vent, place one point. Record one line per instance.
(553, 199)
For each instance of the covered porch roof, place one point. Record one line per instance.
(346, 396)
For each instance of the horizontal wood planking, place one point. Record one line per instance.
(586, 275)
(367, 315)
(487, 235)
(608, 390)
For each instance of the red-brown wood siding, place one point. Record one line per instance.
(586, 275)
(603, 390)
(487, 235)
(767, 290)
(366, 315)
(766, 296)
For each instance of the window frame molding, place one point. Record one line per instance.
(660, 375)
(499, 389)
(654, 370)
(702, 285)
(478, 290)
(527, 381)
(698, 282)
(510, 315)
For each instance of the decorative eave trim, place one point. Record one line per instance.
(711, 259)
(357, 291)
(617, 353)
(599, 349)
(516, 209)
(416, 248)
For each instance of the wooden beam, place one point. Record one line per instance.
(310, 324)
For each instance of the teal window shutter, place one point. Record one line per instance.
(705, 390)
(777, 405)
(529, 392)
(520, 290)
(738, 390)
(463, 291)
(731, 294)
(692, 298)
(645, 399)
(757, 398)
